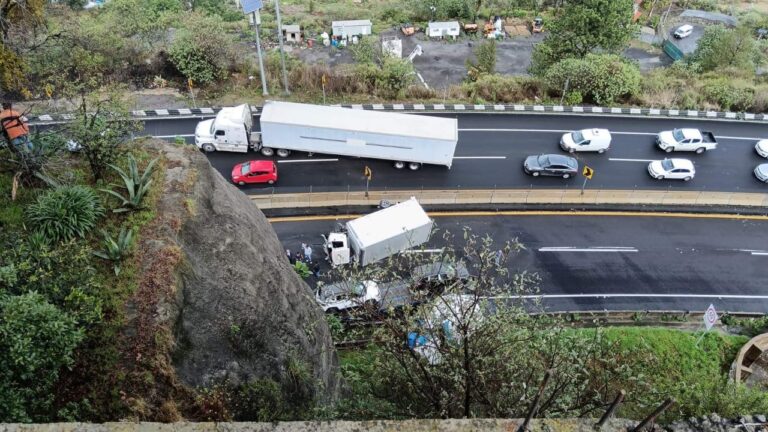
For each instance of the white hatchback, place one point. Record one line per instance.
(676, 169)
(762, 148)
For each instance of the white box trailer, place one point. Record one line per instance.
(408, 140)
(380, 234)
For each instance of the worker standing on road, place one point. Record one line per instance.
(308, 254)
(15, 127)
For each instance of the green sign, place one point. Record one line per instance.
(671, 50)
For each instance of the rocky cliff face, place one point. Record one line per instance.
(242, 313)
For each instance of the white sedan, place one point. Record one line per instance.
(762, 148)
(677, 169)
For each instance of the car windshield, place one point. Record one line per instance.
(667, 164)
(678, 134)
(358, 290)
(213, 125)
(577, 137)
(543, 160)
(245, 168)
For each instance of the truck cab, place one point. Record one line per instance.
(229, 131)
(686, 139)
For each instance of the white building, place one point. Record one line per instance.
(392, 46)
(443, 28)
(348, 29)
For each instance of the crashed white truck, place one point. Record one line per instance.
(406, 140)
(379, 235)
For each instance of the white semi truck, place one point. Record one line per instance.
(379, 235)
(406, 140)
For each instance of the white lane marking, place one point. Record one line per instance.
(173, 136)
(307, 160)
(760, 253)
(754, 252)
(479, 157)
(589, 249)
(612, 295)
(423, 251)
(630, 160)
(569, 130)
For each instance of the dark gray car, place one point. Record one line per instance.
(551, 165)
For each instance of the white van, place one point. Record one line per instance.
(595, 140)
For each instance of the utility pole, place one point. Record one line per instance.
(280, 40)
(257, 23)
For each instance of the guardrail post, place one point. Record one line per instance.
(652, 417)
(608, 414)
(535, 405)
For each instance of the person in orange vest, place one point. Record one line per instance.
(15, 126)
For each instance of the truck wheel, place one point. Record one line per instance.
(283, 153)
(399, 165)
(332, 311)
(669, 149)
(266, 151)
(414, 166)
(700, 150)
(209, 148)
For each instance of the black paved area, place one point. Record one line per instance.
(668, 263)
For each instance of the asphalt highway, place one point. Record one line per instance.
(594, 263)
(492, 147)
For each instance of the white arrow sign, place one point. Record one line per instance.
(710, 317)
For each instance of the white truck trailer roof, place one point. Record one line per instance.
(358, 120)
(389, 222)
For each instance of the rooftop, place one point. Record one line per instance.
(351, 23)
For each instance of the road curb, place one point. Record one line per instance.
(656, 210)
(155, 114)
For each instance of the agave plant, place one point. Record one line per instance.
(116, 250)
(136, 185)
(65, 213)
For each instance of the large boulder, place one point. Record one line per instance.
(242, 311)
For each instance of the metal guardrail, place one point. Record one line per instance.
(513, 196)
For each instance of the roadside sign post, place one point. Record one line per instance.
(323, 80)
(710, 318)
(368, 175)
(253, 7)
(587, 172)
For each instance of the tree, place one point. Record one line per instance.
(474, 349)
(721, 47)
(36, 341)
(394, 77)
(18, 21)
(486, 60)
(202, 50)
(583, 27)
(101, 127)
(599, 78)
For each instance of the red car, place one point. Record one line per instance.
(256, 171)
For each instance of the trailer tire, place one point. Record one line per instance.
(414, 166)
(399, 165)
(283, 153)
(267, 151)
(209, 148)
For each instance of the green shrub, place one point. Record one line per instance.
(202, 50)
(116, 249)
(37, 340)
(65, 213)
(502, 88)
(601, 78)
(302, 269)
(135, 183)
(729, 95)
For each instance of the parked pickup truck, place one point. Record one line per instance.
(686, 140)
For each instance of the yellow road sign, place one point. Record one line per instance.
(324, 79)
(588, 172)
(368, 173)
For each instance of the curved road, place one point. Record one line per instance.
(492, 147)
(589, 262)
